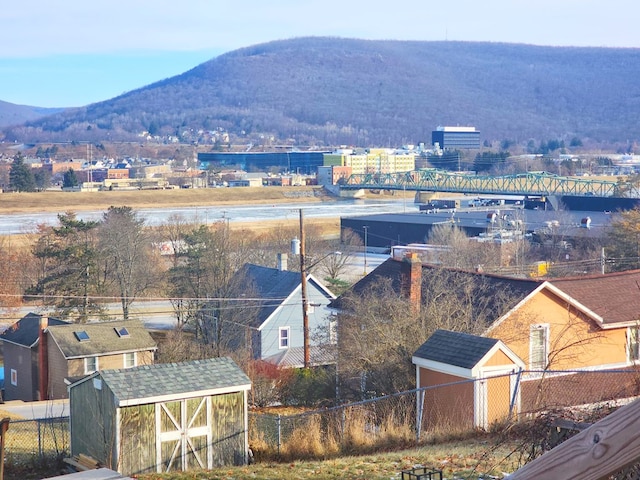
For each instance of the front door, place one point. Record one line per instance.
(184, 439)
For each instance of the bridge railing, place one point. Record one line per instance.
(530, 183)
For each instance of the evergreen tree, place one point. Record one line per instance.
(42, 177)
(21, 177)
(69, 259)
(70, 179)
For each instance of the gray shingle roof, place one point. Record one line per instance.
(455, 348)
(26, 330)
(271, 284)
(103, 338)
(147, 382)
(294, 357)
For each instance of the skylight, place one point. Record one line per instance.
(122, 331)
(82, 336)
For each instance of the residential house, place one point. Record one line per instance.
(163, 417)
(277, 333)
(77, 350)
(572, 340)
(564, 325)
(21, 343)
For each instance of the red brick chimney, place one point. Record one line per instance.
(43, 359)
(411, 279)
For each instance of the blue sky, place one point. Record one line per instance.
(74, 52)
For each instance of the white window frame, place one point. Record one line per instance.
(284, 337)
(87, 366)
(633, 344)
(134, 359)
(14, 377)
(533, 331)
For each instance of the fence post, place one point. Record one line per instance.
(278, 423)
(4, 426)
(343, 424)
(39, 423)
(512, 404)
(419, 407)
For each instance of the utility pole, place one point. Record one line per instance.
(303, 279)
(365, 228)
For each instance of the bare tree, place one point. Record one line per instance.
(126, 244)
(341, 252)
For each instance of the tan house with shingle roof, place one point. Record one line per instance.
(556, 333)
(76, 350)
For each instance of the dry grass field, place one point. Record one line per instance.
(64, 201)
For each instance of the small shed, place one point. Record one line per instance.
(163, 417)
(466, 379)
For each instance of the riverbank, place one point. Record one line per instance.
(58, 201)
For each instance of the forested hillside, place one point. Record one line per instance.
(331, 91)
(12, 114)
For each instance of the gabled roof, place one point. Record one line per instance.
(614, 297)
(25, 332)
(172, 381)
(455, 348)
(294, 357)
(496, 294)
(103, 338)
(273, 286)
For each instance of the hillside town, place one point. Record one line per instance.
(488, 303)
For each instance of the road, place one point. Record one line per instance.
(157, 314)
(33, 410)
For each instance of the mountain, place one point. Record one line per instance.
(12, 114)
(332, 91)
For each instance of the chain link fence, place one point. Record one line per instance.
(445, 409)
(402, 419)
(31, 441)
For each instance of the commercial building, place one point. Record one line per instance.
(373, 160)
(276, 162)
(456, 137)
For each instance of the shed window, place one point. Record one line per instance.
(14, 377)
(129, 359)
(90, 364)
(633, 338)
(538, 346)
(284, 337)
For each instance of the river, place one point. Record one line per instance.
(20, 223)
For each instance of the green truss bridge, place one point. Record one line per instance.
(530, 183)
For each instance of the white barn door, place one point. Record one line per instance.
(183, 436)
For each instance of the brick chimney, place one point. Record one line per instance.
(43, 359)
(411, 280)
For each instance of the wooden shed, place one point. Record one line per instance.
(467, 381)
(163, 417)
